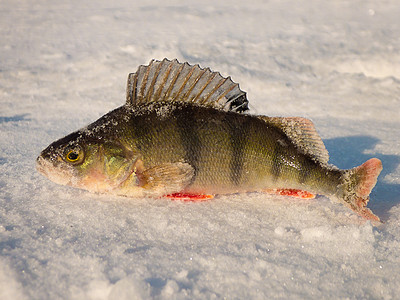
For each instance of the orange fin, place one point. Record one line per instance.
(357, 186)
(189, 197)
(368, 214)
(291, 192)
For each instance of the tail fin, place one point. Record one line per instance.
(357, 185)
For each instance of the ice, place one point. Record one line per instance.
(65, 64)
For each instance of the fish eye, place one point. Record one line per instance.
(74, 155)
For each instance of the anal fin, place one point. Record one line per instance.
(291, 192)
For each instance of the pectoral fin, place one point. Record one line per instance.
(166, 178)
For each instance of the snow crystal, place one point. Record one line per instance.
(10, 286)
(64, 65)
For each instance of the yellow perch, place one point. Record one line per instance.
(184, 132)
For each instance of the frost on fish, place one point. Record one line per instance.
(169, 81)
(182, 134)
(304, 134)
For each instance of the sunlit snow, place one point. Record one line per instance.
(63, 64)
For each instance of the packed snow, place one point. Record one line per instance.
(63, 64)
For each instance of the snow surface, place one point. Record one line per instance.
(63, 64)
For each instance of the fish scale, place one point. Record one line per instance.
(227, 150)
(184, 132)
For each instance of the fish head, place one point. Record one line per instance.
(76, 160)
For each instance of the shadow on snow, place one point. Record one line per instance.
(348, 152)
(16, 118)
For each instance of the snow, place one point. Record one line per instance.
(65, 63)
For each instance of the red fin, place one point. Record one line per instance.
(361, 181)
(368, 214)
(369, 172)
(189, 197)
(291, 192)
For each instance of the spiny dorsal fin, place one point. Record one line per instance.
(168, 81)
(302, 132)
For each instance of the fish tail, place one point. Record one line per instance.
(357, 185)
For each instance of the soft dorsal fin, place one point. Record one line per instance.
(302, 132)
(169, 81)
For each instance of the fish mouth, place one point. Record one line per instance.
(56, 174)
(40, 165)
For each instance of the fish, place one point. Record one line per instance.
(185, 132)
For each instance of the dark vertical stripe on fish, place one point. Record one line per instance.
(143, 133)
(238, 141)
(189, 135)
(276, 161)
(308, 167)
